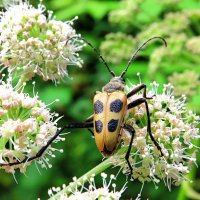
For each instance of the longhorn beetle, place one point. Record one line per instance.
(110, 107)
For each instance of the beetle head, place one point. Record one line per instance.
(115, 84)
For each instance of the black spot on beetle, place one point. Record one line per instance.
(98, 126)
(116, 106)
(98, 107)
(112, 125)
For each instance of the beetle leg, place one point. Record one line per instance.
(42, 150)
(91, 132)
(132, 131)
(138, 102)
(139, 88)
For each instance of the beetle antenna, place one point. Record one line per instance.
(139, 49)
(98, 53)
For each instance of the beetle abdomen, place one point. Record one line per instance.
(109, 111)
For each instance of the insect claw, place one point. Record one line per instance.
(161, 153)
(129, 173)
(150, 97)
(131, 170)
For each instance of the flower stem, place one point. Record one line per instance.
(83, 179)
(20, 83)
(186, 191)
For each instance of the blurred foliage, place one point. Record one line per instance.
(117, 28)
(177, 21)
(186, 83)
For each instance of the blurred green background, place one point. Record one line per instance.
(116, 28)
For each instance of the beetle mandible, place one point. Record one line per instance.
(110, 108)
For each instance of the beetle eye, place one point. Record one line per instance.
(122, 79)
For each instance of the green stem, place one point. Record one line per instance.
(20, 83)
(83, 179)
(186, 190)
(193, 57)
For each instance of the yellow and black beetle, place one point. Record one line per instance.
(110, 108)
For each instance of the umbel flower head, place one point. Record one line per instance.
(32, 43)
(90, 192)
(26, 125)
(121, 45)
(186, 83)
(175, 130)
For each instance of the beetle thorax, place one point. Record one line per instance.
(115, 84)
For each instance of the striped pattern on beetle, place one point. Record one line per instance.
(109, 112)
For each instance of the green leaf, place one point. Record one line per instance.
(189, 4)
(96, 9)
(148, 15)
(80, 108)
(59, 4)
(50, 93)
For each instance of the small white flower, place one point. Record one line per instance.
(91, 192)
(23, 132)
(32, 43)
(175, 130)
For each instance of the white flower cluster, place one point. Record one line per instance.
(25, 127)
(90, 193)
(193, 45)
(32, 43)
(175, 130)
